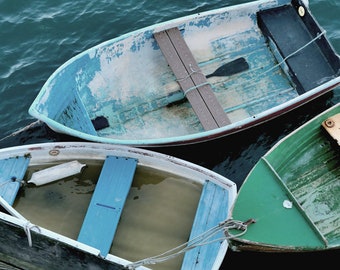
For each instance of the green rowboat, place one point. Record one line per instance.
(290, 200)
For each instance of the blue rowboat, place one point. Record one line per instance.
(192, 79)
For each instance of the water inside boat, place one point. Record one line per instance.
(158, 213)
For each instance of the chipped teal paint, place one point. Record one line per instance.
(84, 70)
(128, 81)
(140, 43)
(202, 23)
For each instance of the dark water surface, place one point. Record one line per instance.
(38, 36)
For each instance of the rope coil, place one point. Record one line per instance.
(200, 240)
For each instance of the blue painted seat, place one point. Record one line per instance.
(212, 209)
(12, 172)
(107, 203)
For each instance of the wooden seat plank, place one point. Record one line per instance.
(198, 77)
(332, 126)
(180, 72)
(191, 79)
(107, 203)
(212, 209)
(12, 172)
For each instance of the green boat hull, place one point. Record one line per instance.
(292, 194)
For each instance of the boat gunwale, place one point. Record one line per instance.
(204, 135)
(242, 244)
(65, 151)
(232, 128)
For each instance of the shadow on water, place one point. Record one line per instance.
(232, 156)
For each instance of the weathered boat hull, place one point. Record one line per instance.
(45, 226)
(124, 92)
(291, 194)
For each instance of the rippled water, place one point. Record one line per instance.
(38, 36)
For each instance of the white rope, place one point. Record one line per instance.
(310, 42)
(200, 240)
(249, 82)
(295, 52)
(29, 126)
(27, 228)
(193, 71)
(11, 181)
(194, 87)
(263, 73)
(189, 74)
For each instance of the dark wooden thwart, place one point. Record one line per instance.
(191, 79)
(107, 203)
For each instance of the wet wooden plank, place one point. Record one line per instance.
(191, 79)
(12, 171)
(210, 212)
(332, 126)
(107, 203)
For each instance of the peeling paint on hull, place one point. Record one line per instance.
(128, 81)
